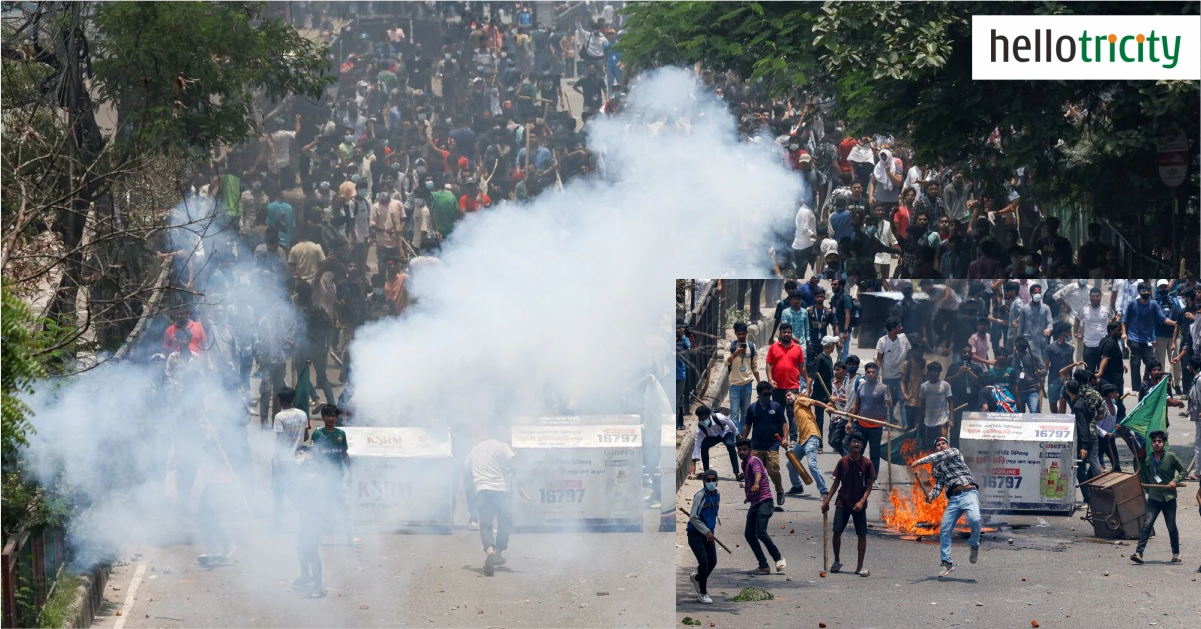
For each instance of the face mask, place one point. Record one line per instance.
(1082, 282)
(429, 185)
(1029, 270)
(447, 55)
(354, 178)
(349, 139)
(256, 185)
(711, 486)
(1036, 297)
(706, 422)
(324, 186)
(794, 147)
(395, 165)
(420, 169)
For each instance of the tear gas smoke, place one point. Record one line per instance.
(561, 305)
(553, 302)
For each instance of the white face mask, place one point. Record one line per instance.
(711, 486)
(706, 422)
(1082, 282)
(1036, 297)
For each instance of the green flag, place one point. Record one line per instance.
(1151, 414)
(304, 391)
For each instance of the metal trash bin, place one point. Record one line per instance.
(1115, 505)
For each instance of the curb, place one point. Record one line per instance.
(89, 596)
(719, 385)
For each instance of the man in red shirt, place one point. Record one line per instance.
(844, 151)
(472, 198)
(199, 339)
(785, 367)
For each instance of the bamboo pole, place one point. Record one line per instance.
(888, 453)
(825, 541)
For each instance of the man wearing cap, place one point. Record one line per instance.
(951, 472)
(820, 382)
(1165, 334)
(1138, 330)
(711, 429)
(1090, 324)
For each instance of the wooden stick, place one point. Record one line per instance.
(714, 537)
(825, 543)
(957, 408)
(1165, 486)
(888, 453)
(920, 484)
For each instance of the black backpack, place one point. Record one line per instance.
(750, 344)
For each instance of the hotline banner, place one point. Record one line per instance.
(1022, 462)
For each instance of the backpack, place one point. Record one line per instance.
(750, 344)
(856, 313)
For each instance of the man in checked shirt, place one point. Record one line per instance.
(950, 471)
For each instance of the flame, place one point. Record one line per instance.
(911, 514)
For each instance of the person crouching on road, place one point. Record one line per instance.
(758, 495)
(712, 429)
(1164, 469)
(701, 523)
(950, 471)
(853, 478)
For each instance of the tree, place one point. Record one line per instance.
(905, 68)
(108, 107)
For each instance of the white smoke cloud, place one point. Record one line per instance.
(561, 295)
(562, 304)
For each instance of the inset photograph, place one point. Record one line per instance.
(908, 438)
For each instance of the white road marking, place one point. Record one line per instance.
(129, 596)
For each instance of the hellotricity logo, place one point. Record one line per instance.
(1064, 47)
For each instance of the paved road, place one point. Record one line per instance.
(1071, 578)
(551, 580)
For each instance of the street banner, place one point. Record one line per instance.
(1022, 461)
(579, 472)
(402, 478)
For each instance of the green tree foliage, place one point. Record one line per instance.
(18, 370)
(905, 68)
(188, 72)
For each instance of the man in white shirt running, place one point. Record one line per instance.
(291, 431)
(491, 463)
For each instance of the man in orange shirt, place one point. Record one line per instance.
(199, 340)
(473, 199)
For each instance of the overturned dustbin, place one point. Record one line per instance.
(578, 472)
(1115, 505)
(403, 479)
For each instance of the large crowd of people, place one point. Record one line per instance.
(869, 208)
(1003, 346)
(284, 246)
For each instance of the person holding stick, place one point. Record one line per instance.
(854, 477)
(758, 495)
(701, 522)
(950, 471)
(1160, 473)
(807, 441)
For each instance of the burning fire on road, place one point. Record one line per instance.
(908, 512)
